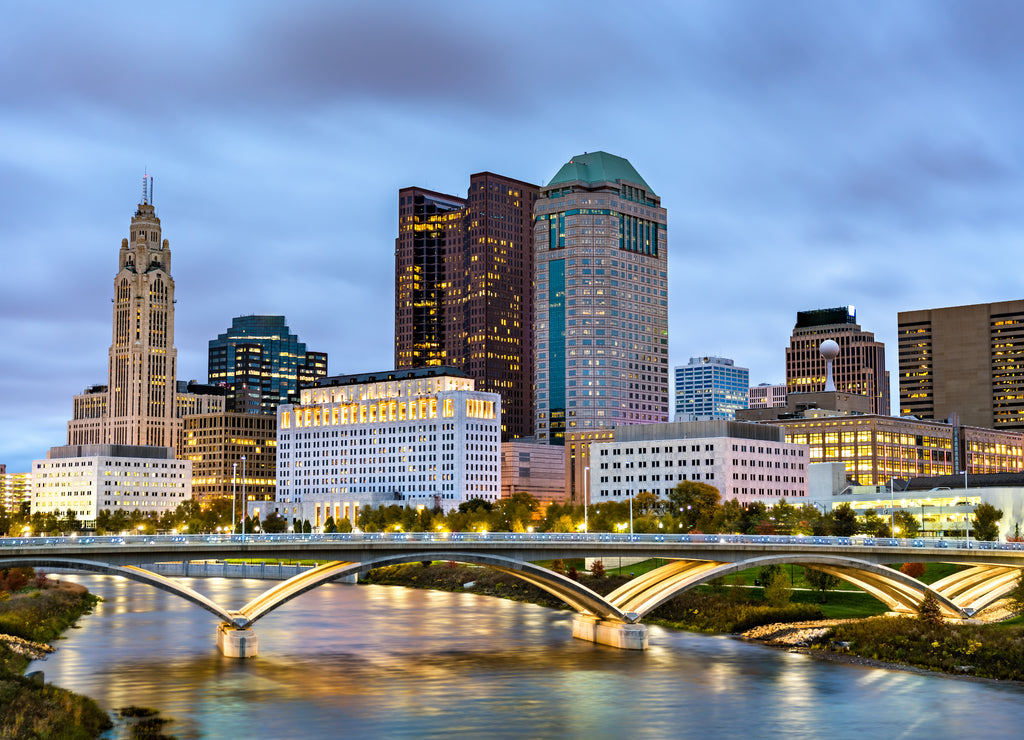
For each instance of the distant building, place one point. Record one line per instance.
(464, 288)
(533, 468)
(15, 488)
(748, 462)
(421, 437)
(860, 367)
(215, 444)
(601, 326)
(261, 364)
(765, 396)
(91, 478)
(710, 388)
(964, 361)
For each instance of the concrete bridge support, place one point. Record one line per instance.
(607, 632)
(236, 643)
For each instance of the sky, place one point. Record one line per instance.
(810, 154)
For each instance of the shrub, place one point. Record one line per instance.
(914, 570)
(930, 611)
(573, 573)
(597, 569)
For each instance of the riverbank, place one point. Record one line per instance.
(29, 619)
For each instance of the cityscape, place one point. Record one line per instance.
(380, 292)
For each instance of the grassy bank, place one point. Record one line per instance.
(29, 709)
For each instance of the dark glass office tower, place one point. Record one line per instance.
(262, 364)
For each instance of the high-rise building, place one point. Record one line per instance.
(463, 288)
(859, 368)
(216, 444)
(966, 361)
(137, 406)
(601, 326)
(710, 388)
(262, 364)
(766, 396)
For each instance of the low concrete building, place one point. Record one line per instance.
(748, 462)
(536, 469)
(90, 478)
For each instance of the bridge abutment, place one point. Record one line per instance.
(236, 643)
(615, 634)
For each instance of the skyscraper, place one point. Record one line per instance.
(859, 368)
(137, 406)
(463, 288)
(262, 364)
(710, 388)
(602, 299)
(964, 360)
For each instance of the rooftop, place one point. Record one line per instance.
(592, 167)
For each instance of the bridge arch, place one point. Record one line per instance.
(897, 590)
(130, 572)
(574, 594)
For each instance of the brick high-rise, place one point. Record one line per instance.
(464, 288)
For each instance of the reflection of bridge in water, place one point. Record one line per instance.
(990, 572)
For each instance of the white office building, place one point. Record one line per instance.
(91, 478)
(420, 437)
(748, 462)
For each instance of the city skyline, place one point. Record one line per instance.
(807, 157)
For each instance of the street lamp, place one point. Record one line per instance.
(243, 495)
(586, 489)
(967, 513)
(234, 477)
(631, 516)
(892, 505)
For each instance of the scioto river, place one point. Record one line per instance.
(386, 662)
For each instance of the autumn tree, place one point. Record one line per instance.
(914, 570)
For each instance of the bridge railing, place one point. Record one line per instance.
(594, 537)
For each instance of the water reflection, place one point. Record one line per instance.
(353, 661)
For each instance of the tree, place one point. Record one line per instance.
(986, 521)
(914, 570)
(930, 611)
(597, 569)
(871, 523)
(844, 521)
(274, 523)
(344, 525)
(767, 573)
(821, 581)
(647, 503)
(906, 524)
(307, 528)
(329, 526)
(778, 591)
(697, 504)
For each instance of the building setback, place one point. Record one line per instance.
(262, 364)
(91, 478)
(409, 437)
(966, 361)
(602, 299)
(710, 388)
(859, 368)
(748, 462)
(464, 291)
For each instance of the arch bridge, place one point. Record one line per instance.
(990, 570)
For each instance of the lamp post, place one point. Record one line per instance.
(892, 506)
(586, 491)
(243, 495)
(234, 477)
(967, 513)
(631, 517)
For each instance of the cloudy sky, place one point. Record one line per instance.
(810, 154)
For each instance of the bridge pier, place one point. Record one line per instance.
(615, 634)
(236, 643)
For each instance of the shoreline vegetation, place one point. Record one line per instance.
(872, 638)
(34, 611)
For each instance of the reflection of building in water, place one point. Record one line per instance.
(420, 437)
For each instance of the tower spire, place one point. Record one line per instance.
(147, 189)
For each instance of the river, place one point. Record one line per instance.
(387, 662)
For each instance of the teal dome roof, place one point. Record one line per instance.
(593, 167)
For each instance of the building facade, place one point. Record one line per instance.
(15, 489)
(748, 462)
(874, 449)
(464, 288)
(262, 364)
(766, 396)
(138, 406)
(420, 437)
(533, 468)
(601, 326)
(233, 455)
(91, 478)
(964, 361)
(859, 368)
(710, 388)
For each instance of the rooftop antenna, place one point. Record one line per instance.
(147, 189)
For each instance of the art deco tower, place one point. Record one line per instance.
(138, 405)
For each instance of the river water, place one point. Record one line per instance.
(386, 662)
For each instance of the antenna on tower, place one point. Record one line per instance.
(147, 189)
